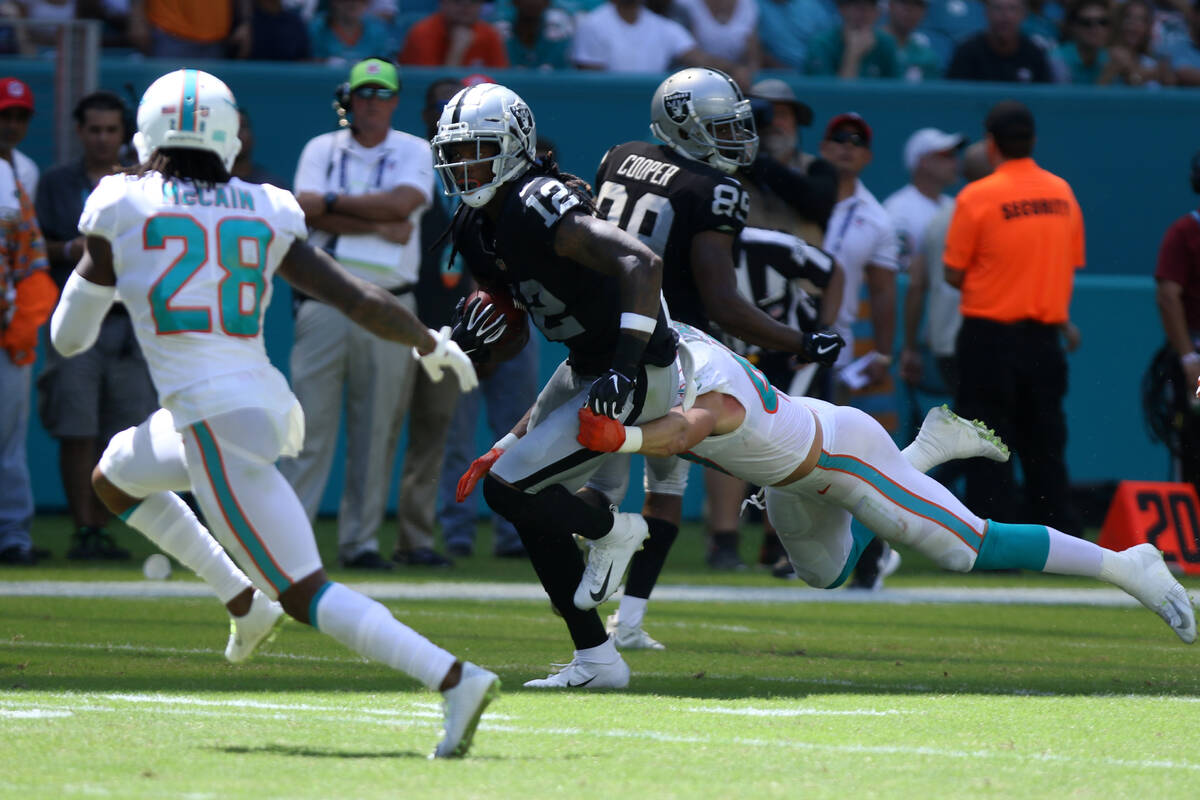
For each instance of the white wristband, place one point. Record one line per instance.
(1189, 359)
(506, 441)
(633, 440)
(638, 322)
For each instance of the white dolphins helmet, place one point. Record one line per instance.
(190, 109)
(701, 114)
(482, 114)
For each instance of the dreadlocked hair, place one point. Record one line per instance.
(203, 168)
(546, 165)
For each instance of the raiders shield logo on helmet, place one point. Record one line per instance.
(678, 105)
(523, 117)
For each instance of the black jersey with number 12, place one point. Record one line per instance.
(569, 303)
(666, 200)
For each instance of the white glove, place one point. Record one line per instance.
(447, 356)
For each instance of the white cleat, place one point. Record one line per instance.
(609, 558)
(945, 436)
(1142, 572)
(256, 628)
(631, 637)
(580, 674)
(463, 706)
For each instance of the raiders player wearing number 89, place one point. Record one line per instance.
(681, 198)
(529, 229)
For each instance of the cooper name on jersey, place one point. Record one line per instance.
(640, 168)
(218, 197)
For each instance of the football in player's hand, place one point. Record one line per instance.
(516, 333)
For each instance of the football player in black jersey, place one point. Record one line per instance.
(681, 199)
(530, 230)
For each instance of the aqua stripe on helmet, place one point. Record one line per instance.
(187, 103)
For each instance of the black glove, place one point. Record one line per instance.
(475, 326)
(609, 394)
(822, 347)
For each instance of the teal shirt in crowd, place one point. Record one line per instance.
(881, 61)
(918, 60)
(376, 40)
(551, 49)
(1075, 70)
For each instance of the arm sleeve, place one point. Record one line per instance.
(887, 246)
(1078, 239)
(961, 238)
(416, 170)
(79, 315)
(313, 165)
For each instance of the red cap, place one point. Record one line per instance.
(15, 93)
(852, 120)
(476, 79)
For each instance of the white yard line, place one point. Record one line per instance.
(493, 591)
(168, 704)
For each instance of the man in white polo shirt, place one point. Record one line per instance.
(860, 235)
(363, 189)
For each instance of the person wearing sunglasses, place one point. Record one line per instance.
(1083, 58)
(363, 189)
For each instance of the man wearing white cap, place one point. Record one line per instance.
(931, 158)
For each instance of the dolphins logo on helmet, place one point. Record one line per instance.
(190, 109)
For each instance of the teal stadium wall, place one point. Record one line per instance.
(1125, 153)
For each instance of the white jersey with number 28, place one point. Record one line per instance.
(194, 268)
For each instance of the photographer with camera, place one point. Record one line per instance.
(363, 189)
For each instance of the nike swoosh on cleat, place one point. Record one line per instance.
(598, 596)
(577, 685)
(823, 350)
(826, 489)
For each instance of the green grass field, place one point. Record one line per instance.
(131, 698)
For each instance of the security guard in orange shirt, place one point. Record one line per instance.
(1014, 244)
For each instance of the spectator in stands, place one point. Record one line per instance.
(346, 32)
(27, 296)
(1183, 54)
(1043, 23)
(1083, 58)
(537, 36)
(86, 399)
(363, 190)
(191, 29)
(857, 48)
(624, 36)
(114, 14)
(727, 29)
(454, 36)
(949, 22)
(1000, 52)
(244, 166)
(918, 60)
(785, 28)
(16, 109)
(1015, 241)
(1178, 295)
(1130, 61)
(278, 33)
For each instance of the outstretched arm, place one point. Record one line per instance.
(315, 273)
(675, 432)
